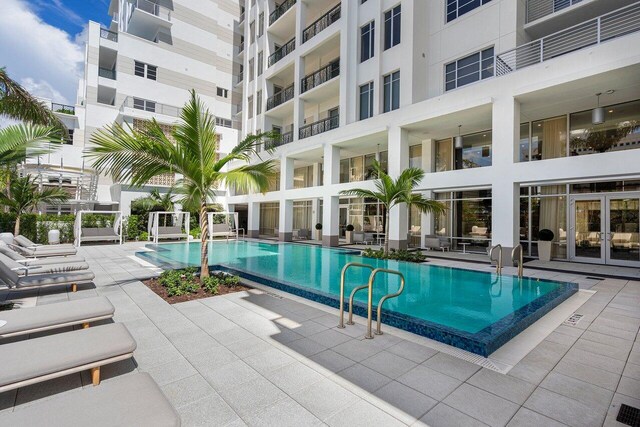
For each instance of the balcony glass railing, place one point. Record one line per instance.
(319, 127)
(107, 73)
(153, 8)
(537, 9)
(280, 98)
(281, 10)
(323, 75)
(150, 106)
(64, 109)
(109, 35)
(594, 31)
(321, 24)
(282, 52)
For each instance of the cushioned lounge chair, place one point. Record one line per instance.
(46, 317)
(12, 252)
(131, 400)
(14, 281)
(171, 233)
(46, 251)
(33, 361)
(25, 270)
(20, 240)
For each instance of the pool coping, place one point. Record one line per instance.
(483, 342)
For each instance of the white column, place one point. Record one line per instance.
(347, 110)
(331, 204)
(505, 193)
(428, 163)
(286, 220)
(253, 220)
(286, 173)
(398, 161)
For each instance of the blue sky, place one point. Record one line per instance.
(42, 43)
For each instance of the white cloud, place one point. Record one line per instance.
(45, 59)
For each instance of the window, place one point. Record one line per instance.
(392, 27)
(144, 104)
(469, 69)
(260, 62)
(366, 101)
(415, 156)
(252, 70)
(69, 140)
(456, 8)
(259, 102)
(250, 106)
(392, 91)
(367, 43)
(145, 70)
(252, 32)
(222, 92)
(261, 24)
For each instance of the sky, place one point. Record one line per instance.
(42, 43)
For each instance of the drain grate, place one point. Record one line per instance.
(595, 278)
(629, 415)
(573, 319)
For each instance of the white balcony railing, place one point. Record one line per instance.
(537, 9)
(153, 8)
(594, 31)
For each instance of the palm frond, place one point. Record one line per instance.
(18, 142)
(254, 177)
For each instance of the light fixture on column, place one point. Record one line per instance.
(597, 114)
(458, 142)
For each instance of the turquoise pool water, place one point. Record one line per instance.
(475, 303)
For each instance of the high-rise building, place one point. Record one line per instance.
(144, 65)
(524, 114)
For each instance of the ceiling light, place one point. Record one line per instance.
(458, 142)
(597, 114)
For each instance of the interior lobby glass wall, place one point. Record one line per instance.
(415, 156)
(360, 168)
(269, 219)
(475, 152)
(364, 214)
(574, 134)
(415, 226)
(467, 220)
(544, 207)
(303, 177)
(302, 211)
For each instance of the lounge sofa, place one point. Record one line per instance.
(436, 242)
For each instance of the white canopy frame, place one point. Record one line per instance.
(92, 234)
(157, 232)
(231, 220)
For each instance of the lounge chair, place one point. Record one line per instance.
(36, 360)
(222, 230)
(9, 251)
(13, 280)
(363, 238)
(25, 270)
(97, 234)
(171, 233)
(46, 317)
(131, 400)
(22, 241)
(436, 242)
(28, 248)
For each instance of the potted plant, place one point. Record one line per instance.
(545, 237)
(319, 232)
(348, 233)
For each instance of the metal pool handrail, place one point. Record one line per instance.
(342, 275)
(517, 251)
(384, 298)
(498, 259)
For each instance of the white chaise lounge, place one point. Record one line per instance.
(24, 321)
(131, 400)
(11, 278)
(40, 359)
(28, 248)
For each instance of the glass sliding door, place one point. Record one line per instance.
(623, 221)
(587, 229)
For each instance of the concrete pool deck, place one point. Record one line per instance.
(261, 358)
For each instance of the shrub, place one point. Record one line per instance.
(211, 284)
(143, 236)
(401, 255)
(545, 235)
(349, 227)
(179, 282)
(195, 232)
(132, 227)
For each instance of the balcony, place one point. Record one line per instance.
(107, 73)
(149, 20)
(321, 76)
(281, 10)
(319, 127)
(285, 138)
(592, 32)
(63, 109)
(321, 24)
(108, 35)
(152, 8)
(241, 47)
(537, 9)
(150, 106)
(282, 52)
(281, 97)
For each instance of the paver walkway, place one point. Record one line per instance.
(255, 358)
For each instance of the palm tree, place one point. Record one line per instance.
(18, 142)
(191, 150)
(17, 103)
(25, 197)
(391, 193)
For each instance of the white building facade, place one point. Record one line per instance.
(144, 66)
(349, 82)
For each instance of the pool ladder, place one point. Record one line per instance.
(517, 256)
(497, 259)
(369, 287)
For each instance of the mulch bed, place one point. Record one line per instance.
(162, 292)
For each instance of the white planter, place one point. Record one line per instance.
(54, 237)
(544, 251)
(319, 235)
(349, 237)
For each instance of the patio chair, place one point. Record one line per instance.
(24, 321)
(27, 248)
(131, 400)
(22, 241)
(12, 252)
(40, 359)
(11, 278)
(436, 242)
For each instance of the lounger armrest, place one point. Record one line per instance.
(26, 268)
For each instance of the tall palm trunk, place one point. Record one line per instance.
(16, 230)
(386, 232)
(204, 237)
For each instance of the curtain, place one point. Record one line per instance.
(554, 138)
(269, 218)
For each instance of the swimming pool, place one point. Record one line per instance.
(473, 310)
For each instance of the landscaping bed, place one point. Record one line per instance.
(176, 286)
